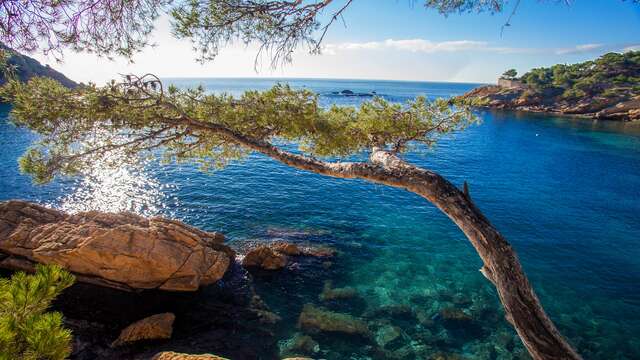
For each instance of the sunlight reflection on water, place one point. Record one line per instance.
(110, 187)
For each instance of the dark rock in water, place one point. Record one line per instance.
(154, 327)
(276, 255)
(387, 334)
(330, 293)
(454, 314)
(170, 355)
(299, 344)
(352, 93)
(123, 250)
(446, 356)
(314, 319)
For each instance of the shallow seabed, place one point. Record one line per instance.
(565, 193)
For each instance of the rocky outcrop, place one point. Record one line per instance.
(154, 327)
(170, 355)
(275, 255)
(264, 257)
(550, 101)
(123, 250)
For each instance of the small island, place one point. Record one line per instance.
(605, 88)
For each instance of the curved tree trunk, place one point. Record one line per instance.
(501, 265)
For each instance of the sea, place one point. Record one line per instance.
(565, 192)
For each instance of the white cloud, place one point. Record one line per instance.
(579, 49)
(412, 45)
(430, 47)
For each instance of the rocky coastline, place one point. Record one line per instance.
(550, 102)
(604, 88)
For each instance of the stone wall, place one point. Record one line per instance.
(510, 84)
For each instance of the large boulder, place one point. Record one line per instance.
(154, 327)
(122, 250)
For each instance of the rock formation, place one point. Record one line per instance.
(314, 319)
(521, 99)
(264, 257)
(123, 250)
(170, 355)
(154, 327)
(275, 255)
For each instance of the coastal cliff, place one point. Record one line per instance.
(605, 88)
(26, 67)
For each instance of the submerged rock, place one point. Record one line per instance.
(154, 327)
(122, 250)
(454, 315)
(330, 293)
(275, 255)
(316, 319)
(264, 257)
(170, 355)
(298, 344)
(387, 334)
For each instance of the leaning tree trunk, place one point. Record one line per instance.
(501, 265)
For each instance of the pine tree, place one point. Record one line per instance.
(27, 331)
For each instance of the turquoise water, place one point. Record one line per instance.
(564, 192)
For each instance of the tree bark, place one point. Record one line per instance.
(501, 265)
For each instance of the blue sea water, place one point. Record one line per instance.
(565, 192)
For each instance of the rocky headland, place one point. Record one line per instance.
(605, 88)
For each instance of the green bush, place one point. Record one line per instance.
(27, 331)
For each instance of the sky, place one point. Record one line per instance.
(401, 40)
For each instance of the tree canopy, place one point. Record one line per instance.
(138, 116)
(122, 27)
(610, 75)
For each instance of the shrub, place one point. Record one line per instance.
(27, 331)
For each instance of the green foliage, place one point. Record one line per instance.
(26, 330)
(121, 121)
(510, 74)
(590, 78)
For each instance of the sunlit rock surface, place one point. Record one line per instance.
(120, 250)
(154, 327)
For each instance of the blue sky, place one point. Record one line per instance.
(401, 40)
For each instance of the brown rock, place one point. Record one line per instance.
(286, 248)
(315, 319)
(155, 327)
(170, 355)
(330, 293)
(265, 257)
(121, 250)
(454, 314)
